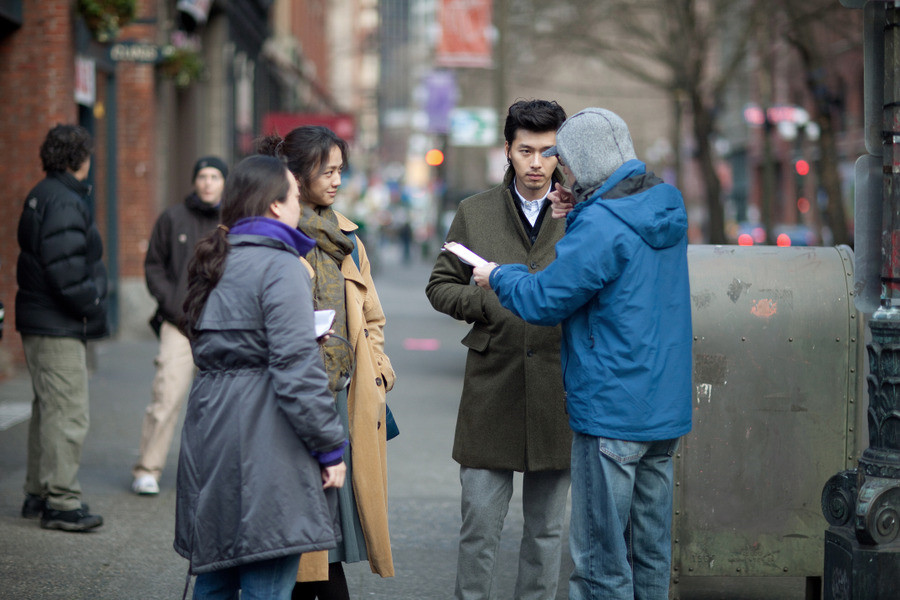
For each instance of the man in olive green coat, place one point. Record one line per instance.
(512, 412)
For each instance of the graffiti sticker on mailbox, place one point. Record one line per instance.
(764, 308)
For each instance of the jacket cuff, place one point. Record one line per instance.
(332, 457)
(492, 278)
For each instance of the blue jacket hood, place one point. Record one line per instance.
(658, 218)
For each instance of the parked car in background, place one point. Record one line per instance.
(750, 234)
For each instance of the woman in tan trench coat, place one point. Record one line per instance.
(316, 156)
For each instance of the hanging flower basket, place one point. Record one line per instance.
(104, 18)
(184, 66)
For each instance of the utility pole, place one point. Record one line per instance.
(862, 505)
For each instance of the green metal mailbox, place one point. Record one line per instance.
(778, 408)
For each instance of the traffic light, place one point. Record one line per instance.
(802, 167)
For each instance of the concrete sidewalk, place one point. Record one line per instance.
(127, 557)
(131, 555)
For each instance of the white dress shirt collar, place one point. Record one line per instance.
(531, 208)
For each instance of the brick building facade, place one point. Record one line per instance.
(38, 79)
(37, 83)
(148, 125)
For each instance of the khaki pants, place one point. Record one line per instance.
(59, 418)
(174, 375)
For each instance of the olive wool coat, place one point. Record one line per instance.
(372, 378)
(512, 411)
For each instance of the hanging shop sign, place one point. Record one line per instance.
(139, 52)
(85, 81)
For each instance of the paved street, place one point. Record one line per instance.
(131, 556)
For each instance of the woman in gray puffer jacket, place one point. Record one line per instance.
(262, 441)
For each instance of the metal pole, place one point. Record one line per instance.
(862, 505)
(891, 162)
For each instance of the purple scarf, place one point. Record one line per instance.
(274, 228)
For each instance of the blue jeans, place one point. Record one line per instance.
(262, 580)
(620, 533)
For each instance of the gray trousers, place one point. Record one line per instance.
(485, 503)
(59, 418)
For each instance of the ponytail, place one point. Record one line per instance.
(204, 272)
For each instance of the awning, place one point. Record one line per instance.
(282, 123)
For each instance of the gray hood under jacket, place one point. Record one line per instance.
(593, 143)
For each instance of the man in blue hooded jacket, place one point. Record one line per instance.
(619, 285)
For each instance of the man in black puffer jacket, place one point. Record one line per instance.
(60, 304)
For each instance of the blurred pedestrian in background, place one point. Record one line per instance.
(343, 283)
(61, 303)
(261, 437)
(176, 232)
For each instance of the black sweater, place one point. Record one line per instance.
(171, 248)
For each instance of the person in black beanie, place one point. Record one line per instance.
(172, 242)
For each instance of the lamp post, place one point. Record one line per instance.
(862, 505)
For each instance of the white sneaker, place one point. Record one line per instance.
(145, 485)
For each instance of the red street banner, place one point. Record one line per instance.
(282, 123)
(465, 38)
